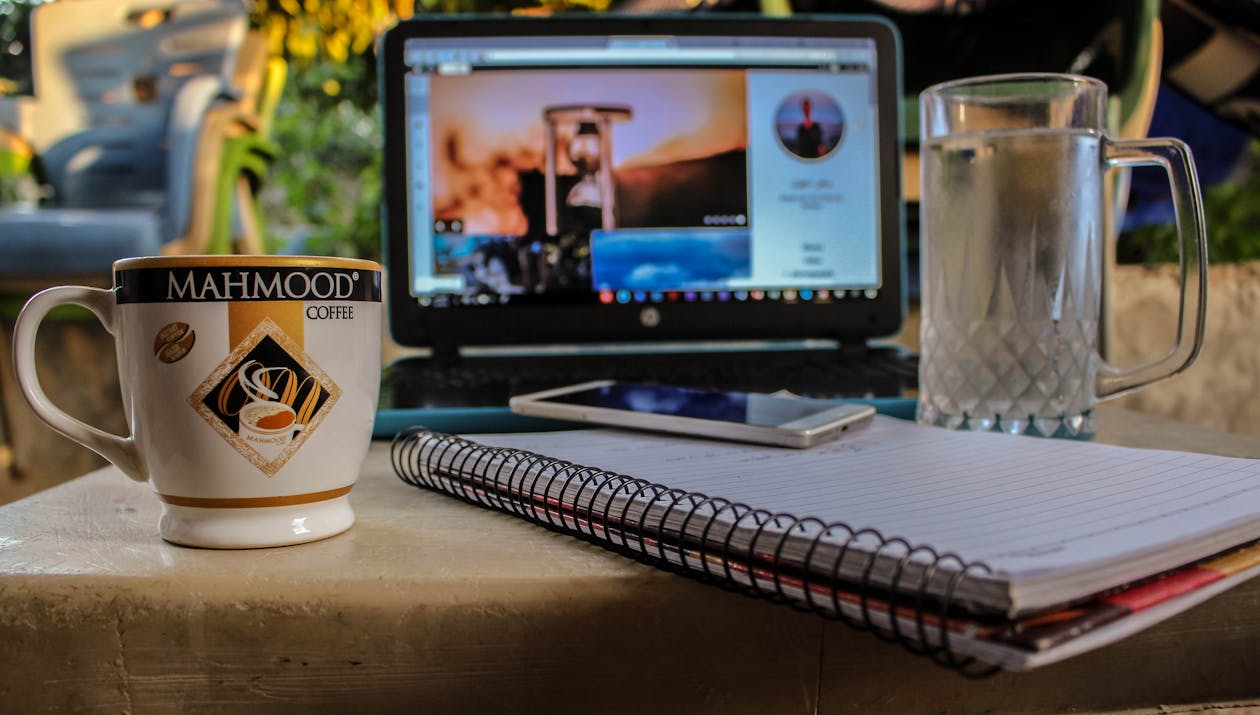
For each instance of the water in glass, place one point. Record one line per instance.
(1013, 224)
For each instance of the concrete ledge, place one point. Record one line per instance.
(1219, 391)
(432, 605)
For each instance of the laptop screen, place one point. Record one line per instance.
(601, 164)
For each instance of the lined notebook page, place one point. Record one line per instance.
(1056, 515)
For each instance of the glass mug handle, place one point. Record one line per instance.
(119, 450)
(1174, 156)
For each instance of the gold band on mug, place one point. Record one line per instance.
(255, 502)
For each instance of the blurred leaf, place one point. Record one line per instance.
(325, 185)
(1232, 211)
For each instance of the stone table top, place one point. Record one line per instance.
(429, 604)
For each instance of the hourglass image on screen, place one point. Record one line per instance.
(553, 181)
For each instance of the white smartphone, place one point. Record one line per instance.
(741, 416)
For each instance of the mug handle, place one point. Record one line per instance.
(119, 450)
(1174, 157)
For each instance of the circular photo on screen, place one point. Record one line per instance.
(809, 124)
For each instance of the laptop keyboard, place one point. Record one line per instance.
(490, 381)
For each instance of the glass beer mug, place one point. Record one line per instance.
(1012, 237)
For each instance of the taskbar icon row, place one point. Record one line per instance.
(789, 295)
(625, 297)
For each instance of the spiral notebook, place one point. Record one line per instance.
(1014, 551)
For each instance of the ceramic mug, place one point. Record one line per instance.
(249, 384)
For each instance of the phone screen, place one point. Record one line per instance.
(737, 407)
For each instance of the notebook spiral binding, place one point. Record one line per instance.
(528, 485)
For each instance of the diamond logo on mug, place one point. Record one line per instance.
(266, 398)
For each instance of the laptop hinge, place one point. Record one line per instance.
(853, 348)
(445, 353)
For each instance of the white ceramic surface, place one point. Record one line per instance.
(249, 384)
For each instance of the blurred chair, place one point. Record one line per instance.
(246, 152)
(146, 127)
(1214, 56)
(1117, 41)
(147, 133)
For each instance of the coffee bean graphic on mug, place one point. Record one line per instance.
(266, 397)
(174, 341)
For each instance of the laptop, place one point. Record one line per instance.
(710, 201)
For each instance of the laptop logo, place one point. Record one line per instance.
(649, 317)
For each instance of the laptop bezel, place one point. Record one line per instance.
(847, 320)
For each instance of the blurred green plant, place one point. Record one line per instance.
(1232, 211)
(323, 193)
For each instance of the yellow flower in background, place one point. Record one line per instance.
(302, 43)
(306, 30)
(337, 46)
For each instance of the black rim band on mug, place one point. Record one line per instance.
(221, 284)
